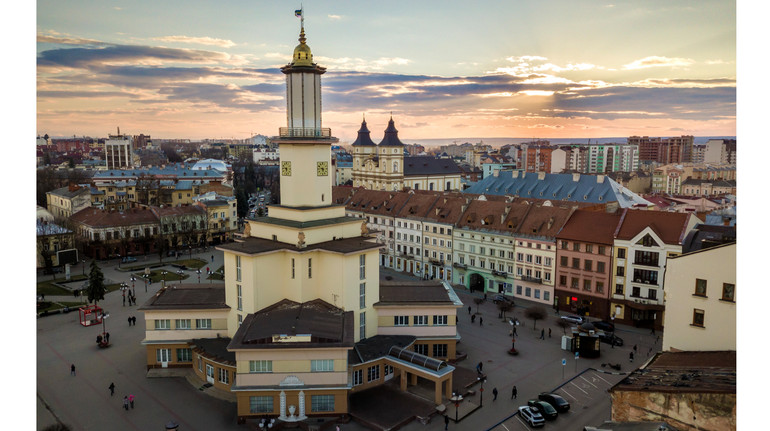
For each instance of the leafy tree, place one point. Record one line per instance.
(504, 306)
(478, 302)
(96, 288)
(535, 313)
(242, 201)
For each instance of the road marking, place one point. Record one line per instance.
(506, 428)
(568, 394)
(589, 382)
(605, 381)
(573, 384)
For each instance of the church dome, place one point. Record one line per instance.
(302, 54)
(391, 136)
(363, 138)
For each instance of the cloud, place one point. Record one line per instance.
(334, 17)
(128, 54)
(223, 43)
(657, 61)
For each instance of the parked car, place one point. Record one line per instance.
(560, 404)
(610, 338)
(128, 259)
(502, 298)
(533, 418)
(604, 326)
(574, 319)
(546, 410)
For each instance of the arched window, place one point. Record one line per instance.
(395, 166)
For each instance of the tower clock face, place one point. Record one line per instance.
(286, 169)
(322, 169)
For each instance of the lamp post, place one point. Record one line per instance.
(199, 275)
(133, 288)
(456, 398)
(104, 327)
(145, 277)
(163, 273)
(481, 396)
(118, 260)
(84, 267)
(180, 273)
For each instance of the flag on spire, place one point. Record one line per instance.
(298, 13)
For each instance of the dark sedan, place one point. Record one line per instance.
(610, 338)
(560, 404)
(545, 409)
(604, 326)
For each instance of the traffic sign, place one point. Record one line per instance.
(577, 355)
(564, 362)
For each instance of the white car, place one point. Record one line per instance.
(533, 417)
(571, 318)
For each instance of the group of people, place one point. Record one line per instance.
(131, 320)
(131, 298)
(103, 339)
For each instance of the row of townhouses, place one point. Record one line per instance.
(575, 258)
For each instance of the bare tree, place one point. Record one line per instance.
(504, 306)
(478, 302)
(563, 324)
(535, 313)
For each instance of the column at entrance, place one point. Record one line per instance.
(404, 374)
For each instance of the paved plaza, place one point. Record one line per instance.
(84, 402)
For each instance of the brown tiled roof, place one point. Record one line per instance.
(95, 217)
(341, 194)
(447, 208)
(422, 292)
(253, 245)
(378, 202)
(417, 205)
(167, 211)
(544, 221)
(701, 372)
(491, 215)
(187, 297)
(327, 325)
(590, 226)
(669, 226)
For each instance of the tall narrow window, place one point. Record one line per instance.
(292, 268)
(237, 268)
(310, 267)
(362, 267)
(362, 295)
(240, 296)
(362, 325)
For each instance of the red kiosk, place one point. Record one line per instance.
(91, 315)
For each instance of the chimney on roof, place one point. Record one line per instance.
(541, 175)
(550, 222)
(599, 179)
(515, 174)
(462, 208)
(496, 173)
(576, 177)
(438, 210)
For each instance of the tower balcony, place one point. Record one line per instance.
(305, 132)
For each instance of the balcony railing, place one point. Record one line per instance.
(305, 132)
(460, 265)
(500, 273)
(436, 261)
(532, 279)
(646, 262)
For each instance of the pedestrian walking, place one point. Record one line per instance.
(107, 337)
(479, 367)
(652, 331)
(514, 330)
(212, 258)
(72, 369)
(131, 400)
(112, 388)
(481, 321)
(494, 392)
(542, 334)
(133, 320)
(124, 299)
(630, 356)
(469, 309)
(549, 332)
(485, 297)
(634, 348)
(125, 402)
(473, 318)
(129, 320)
(514, 392)
(446, 422)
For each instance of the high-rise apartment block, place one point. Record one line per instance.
(118, 151)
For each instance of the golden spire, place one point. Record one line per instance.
(302, 54)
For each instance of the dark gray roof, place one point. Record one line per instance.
(187, 297)
(215, 348)
(426, 165)
(391, 136)
(67, 193)
(703, 372)
(364, 136)
(253, 245)
(715, 183)
(327, 326)
(706, 236)
(423, 292)
(377, 347)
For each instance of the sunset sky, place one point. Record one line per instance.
(446, 69)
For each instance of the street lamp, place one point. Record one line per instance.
(456, 398)
(180, 273)
(163, 273)
(199, 275)
(104, 327)
(481, 397)
(133, 288)
(84, 267)
(145, 277)
(118, 260)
